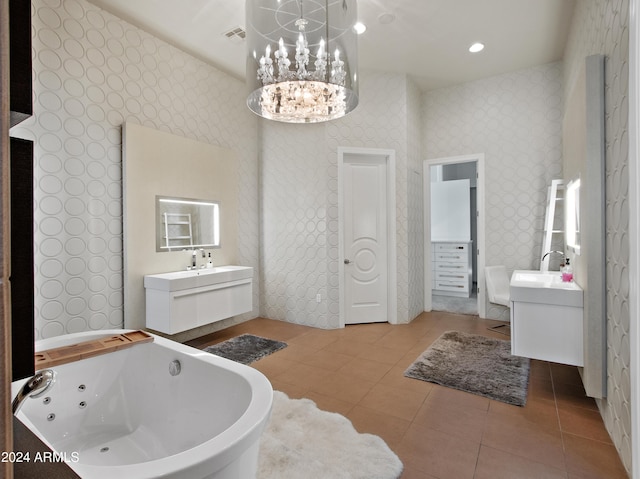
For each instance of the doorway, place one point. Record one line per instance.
(366, 222)
(454, 234)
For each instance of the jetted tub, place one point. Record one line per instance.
(123, 414)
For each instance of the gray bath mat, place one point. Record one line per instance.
(246, 348)
(475, 364)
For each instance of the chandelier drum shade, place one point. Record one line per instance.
(301, 59)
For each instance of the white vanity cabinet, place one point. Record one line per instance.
(546, 318)
(183, 300)
(452, 270)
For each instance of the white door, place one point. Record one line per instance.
(365, 239)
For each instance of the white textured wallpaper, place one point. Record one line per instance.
(415, 205)
(602, 27)
(92, 72)
(295, 171)
(515, 119)
(299, 203)
(381, 121)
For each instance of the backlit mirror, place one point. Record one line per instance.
(183, 223)
(572, 216)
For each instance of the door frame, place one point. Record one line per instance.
(392, 292)
(480, 205)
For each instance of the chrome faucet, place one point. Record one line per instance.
(194, 258)
(34, 387)
(550, 252)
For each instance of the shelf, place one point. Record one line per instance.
(89, 349)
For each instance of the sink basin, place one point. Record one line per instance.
(545, 287)
(538, 277)
(180, 280)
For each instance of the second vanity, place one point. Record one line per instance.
(183, 300)
(546, 317)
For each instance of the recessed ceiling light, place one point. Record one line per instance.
(386, 18)
(476, 47)
(360, 28)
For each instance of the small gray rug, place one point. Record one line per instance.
(246, 348)
(475, 364)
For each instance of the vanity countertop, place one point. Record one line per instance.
(544, 287)
(195, 278)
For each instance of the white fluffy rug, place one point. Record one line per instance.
(301, 441)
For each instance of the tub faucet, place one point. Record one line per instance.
(34, 387)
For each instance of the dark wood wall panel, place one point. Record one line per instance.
(22, 269)
(20, 82)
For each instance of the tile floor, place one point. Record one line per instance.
(438, 432)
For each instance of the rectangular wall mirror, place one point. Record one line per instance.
(183, 223)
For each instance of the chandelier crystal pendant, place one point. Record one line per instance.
(301, 59)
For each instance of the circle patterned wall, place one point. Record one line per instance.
(92, 72)
(299, 203)
(515, 119)
(603, 28)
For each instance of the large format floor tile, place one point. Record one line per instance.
(438, 433)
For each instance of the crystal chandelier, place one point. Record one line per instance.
(301, 59)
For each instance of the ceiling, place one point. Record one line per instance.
(428, 40)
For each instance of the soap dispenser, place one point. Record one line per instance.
(210, 263)
(567, 272)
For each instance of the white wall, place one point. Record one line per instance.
(295, 171)
(602, 27)
(515, 119)
(388, 117)
(415, 218)
(159, 163)
(92, 72)
(299, 203)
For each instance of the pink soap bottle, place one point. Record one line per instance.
(567, 272)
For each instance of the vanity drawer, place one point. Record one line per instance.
(452, 248)
(451, 267)
(453, 257)
(458, 287)
(452, 276)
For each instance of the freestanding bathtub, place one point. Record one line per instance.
(125, 415)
